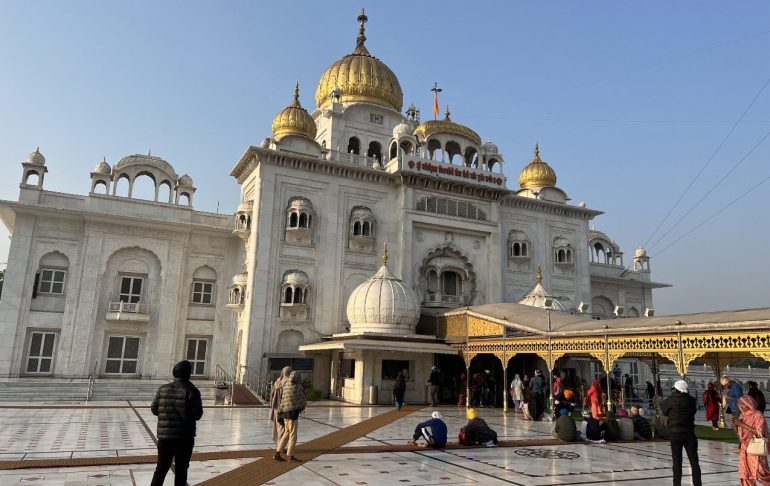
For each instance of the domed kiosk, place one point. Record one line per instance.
(383, 314)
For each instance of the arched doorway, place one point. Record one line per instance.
(486, 381)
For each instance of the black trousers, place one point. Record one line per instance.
(689, 442)
(178, 450)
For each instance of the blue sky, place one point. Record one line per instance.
(627, 100)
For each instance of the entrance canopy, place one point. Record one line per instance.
(508, 329)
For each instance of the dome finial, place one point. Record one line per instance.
(537, 151)
(539, 275)
(361, 39)
(385, 254)
(296, 95)
(447, 113)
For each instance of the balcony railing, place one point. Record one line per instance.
(128, 311)
(443, 300)
(351, 159)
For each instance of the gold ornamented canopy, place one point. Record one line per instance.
(537, 173)
(428, 128)
(294, 120)
(360, 77)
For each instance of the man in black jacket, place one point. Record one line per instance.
(680, 409)
(178, 406)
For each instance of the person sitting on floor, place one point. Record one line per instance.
(625, 425)
(591, 430)
(433, 431)
(564, 400)
(642, 427)
(611, 428)
(564, 428)
(476, 431)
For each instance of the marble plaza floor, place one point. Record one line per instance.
(116, 430)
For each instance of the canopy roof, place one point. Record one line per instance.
(533, 320)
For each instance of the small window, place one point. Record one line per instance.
(51, 281)
(196, 355)
(202, 292)
(391, 368)
(131, 289)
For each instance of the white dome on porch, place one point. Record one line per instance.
(383, 304)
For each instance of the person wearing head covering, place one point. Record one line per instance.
(564, 401)
(625, 425)
(592, 430)
(595, 396)
(178, 406)
(476, 431)
(564, 427)
(433, 431)
(558, 386)
(517, 392)
(711, 401)
(752, 423)
(732, 391)
(293, 403)
(275, 401)
(755, 393)
(642, 427)
(399, 390)
(680, 408)
(435, 385)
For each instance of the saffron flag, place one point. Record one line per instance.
(435, 104)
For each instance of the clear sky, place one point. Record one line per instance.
(628, 100)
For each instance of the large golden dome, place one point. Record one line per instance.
(425, 129)
(359, 76)
(537, 173)
(294, 120)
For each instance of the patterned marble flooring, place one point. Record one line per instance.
(35, 433)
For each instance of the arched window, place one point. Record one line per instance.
(204, 280)
(354, 146)
(100, 187)
(375, 150)
(362, 229)
(121, 186)
(451, 283)
(51, 278)
(32, 178)
(393, 150)
(434, 150)
(516, 249)
(452, 149)
(143, 187)
(299, 221)
(294, 291)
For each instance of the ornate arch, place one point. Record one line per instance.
(448, 250)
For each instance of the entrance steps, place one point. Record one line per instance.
(76, 390)
(43, 390)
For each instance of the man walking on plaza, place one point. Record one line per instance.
(435, 384)
(680, 408)
(178, 406)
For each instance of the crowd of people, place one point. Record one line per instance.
(178, 407)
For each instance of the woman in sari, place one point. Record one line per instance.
(751, 469)
(596, 397)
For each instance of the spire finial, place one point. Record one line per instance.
(37, 150)
(537, 150)
(149, 152)
(539, 275)
(385, 254)
(362, 19)
(447, 113)
(296, 94)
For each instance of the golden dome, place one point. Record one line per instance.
(537, 173)
(359, 76)
(428, 128)
(294, 120)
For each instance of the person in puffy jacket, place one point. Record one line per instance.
(178, 406)
(293, 403)
(680, 408)
(476, 431)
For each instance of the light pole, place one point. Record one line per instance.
(548, 304)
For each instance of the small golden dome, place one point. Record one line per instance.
(537, 173)
(359, 76)
(428, 128)
(294, 120)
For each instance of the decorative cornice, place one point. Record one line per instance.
(518, 202)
